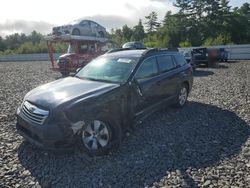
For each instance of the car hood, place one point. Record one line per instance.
(63, 90)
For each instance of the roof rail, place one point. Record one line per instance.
(153, 50)
(123, 49)
(116, 50)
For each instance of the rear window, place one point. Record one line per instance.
(180, 60)
(165, 63)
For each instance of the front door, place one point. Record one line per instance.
(146, 89)
(86, 28)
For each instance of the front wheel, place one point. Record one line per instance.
(182, 96)
(99, 136)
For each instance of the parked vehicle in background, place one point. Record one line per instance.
(187, 55)
(208, 57)
(81, 27)
(81, 50)
(223, 55)
(104, 98)
(78, 55)
(200, 56)
(134, 45)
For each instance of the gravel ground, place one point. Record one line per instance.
(205, 144)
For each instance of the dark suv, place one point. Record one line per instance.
(96, 106)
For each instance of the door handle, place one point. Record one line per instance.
(139, 91)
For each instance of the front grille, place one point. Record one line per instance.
(33, 113)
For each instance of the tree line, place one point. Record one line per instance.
(198, 22)
(27, 44)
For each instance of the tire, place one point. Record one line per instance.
(101, 34)
(76, 32)
(182, 96)
(99, 136)
(209, 63)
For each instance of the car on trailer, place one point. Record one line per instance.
(81, 28)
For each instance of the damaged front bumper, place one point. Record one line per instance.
(57, 135)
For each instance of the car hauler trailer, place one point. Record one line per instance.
(81, 50)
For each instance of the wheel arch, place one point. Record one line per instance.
(75, 29)
(187, 84)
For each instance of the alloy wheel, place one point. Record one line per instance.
(183, 96)
(96, 135)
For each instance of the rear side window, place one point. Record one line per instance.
(93, 24)
(165, 63)
(180, 60)
(147, 69)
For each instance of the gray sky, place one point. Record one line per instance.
(28, 15)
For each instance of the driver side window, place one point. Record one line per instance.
(84, 23)
(147, 69)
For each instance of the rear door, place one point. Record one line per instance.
(184, 71)
(168, 76)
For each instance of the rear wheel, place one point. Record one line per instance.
(182, 96)
(99, 136)
(76, 31)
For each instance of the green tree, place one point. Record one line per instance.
(173, 31)
(138, 32)
(118, 36)
(152, 23)
(35, 37)
(185, 44)
(2, 44)
(127, 33)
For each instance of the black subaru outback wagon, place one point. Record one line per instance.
(96, 106)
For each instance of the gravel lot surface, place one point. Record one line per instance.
(205, 144)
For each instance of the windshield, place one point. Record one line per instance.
(71, 49)
(74, 22)
(108, 69)
(128, 45)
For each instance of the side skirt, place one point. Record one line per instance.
(142, 115)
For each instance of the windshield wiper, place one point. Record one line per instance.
(99, 80)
